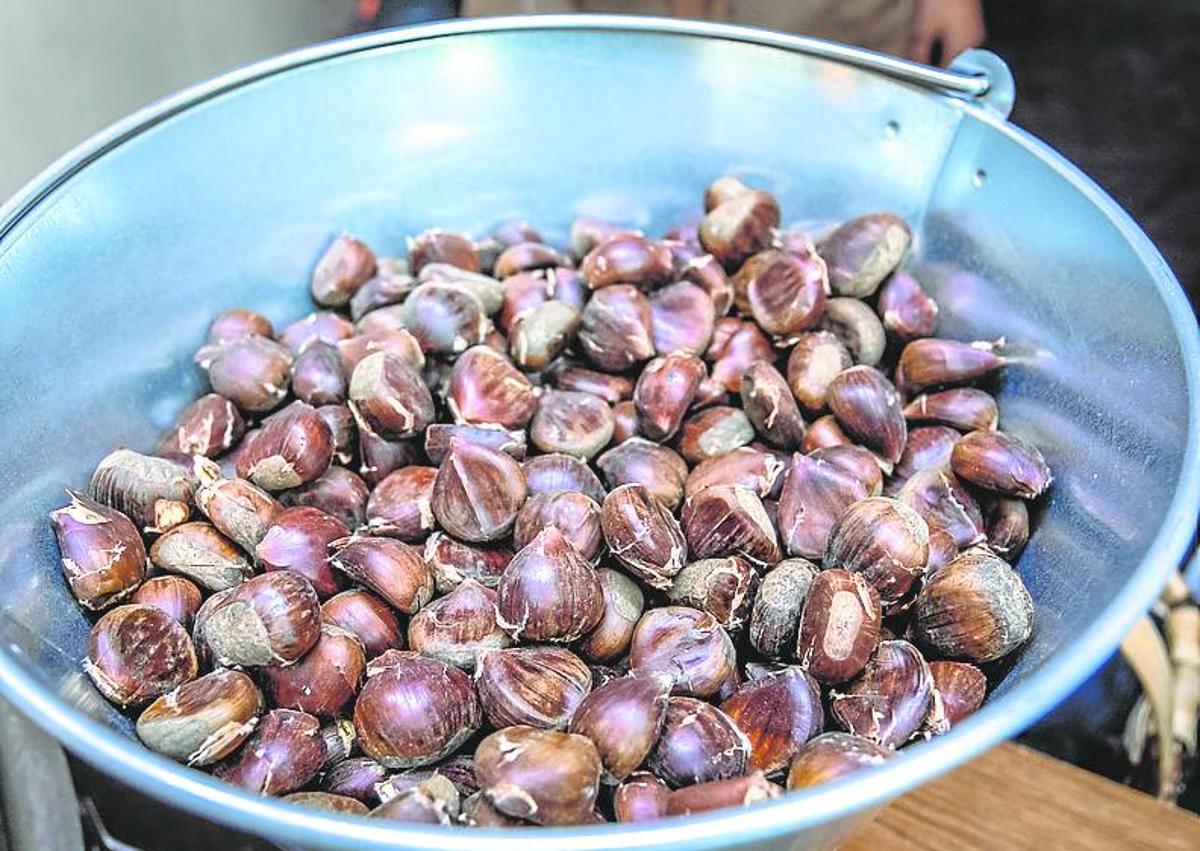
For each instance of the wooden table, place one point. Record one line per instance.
(1017, 798)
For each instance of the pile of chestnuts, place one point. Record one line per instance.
(511, 534)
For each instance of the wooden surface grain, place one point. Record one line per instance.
(1017, 798)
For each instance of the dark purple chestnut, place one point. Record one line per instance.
(735, 345)
(699, 743)
(103, 557)
(549, 592)
(739, 227)
(252, 372)
(392, 569)
(477, 492)
(729, 520)
(325, 680)
(962, 408)
(885, 542)
(623, 719)
(687, 644)
(664, 392)
(138, 652)
(298, 540)
(285, 752)
(907, 312)
(339, 492)
(535, 686)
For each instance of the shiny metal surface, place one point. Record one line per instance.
(113, 262)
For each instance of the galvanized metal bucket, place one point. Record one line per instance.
(113, 261)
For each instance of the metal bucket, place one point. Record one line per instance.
(113, 261)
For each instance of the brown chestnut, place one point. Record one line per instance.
(367, 618)
(839, 626)
(486, 388)
(345, 266)
(325, 680)
(814, 495)
(643, 535)
(179, 598)
(146, 489)
(389, 397)
(625, 421)
(388, 286)
(771, 407)
(440, 246)
(785, 293)
(102, 554)
(775, 617)
(624, 603)
(723, 587)
(451, 562)
(739, 227)
(664, 391)
(298, 540)
(974, 609)
(543, 776)
(889, 701)
(1001, 462)
(959, 689)
(932, 362)
(397, 342)
(400, 506)
(699, 743)
(292, 447)
(816, 360)
(718, 794)
(571, 422)
(681, 319)
(640, 798)
(430, 800)
(339, 492)
(862, 464)
(687, 644)
(252, 372)
(575, 515)
(237, 323)
(735, 345)
(864, 251)
(272, 619)
(355, 778)
(337, 804)
(907, 312)
(857, 328)
(415, 711)
(623, 719)
(558, 472)
(285, 752)
(526, 256)
(392, 569)
(927, 447)
(536, 686)
(962, 408)
(823, 433)
(318, 377)
(325, 327)
(477, 492)
(204, 720)
(616, 328)
(549, 592)
(610, 388)
(884, 541)
(944, 504)
(540, 335)
(138, 652)
(1007, 521)
(728, 520)
(210, 426)
(626, 259)
(456, 627)
(439, 436)
(868, 407)
(639, 461)
(724, 188)
(381, 457)
(714, 431)
(752, 468)
(830, 756)
(237, 508)
(201, 553)
(778, 713)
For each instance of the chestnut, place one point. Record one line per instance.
(486, 388)
(775, 616)
(778, 713)
(706, 272)
(392, 569)
(616, 328)
(549, 592)
(727, 520)
(272, 619)
(390, 284)
(681, 319)
(102, 554)
(1001, 462)
(558, 472)
(625, 421)
(381, 457)
(723, 587)
(575, 515)
(885, 542)
(857, 328)
(944, 504)
(717, 794)
(751, 468)
(571, 422)
(868, 407)
(525, 291)
(400, 505)
(889, 701)
(284, 753)
(367, 618)
(839, 626)
(586, 233)
(664, 391)
(907, 312)
(138, 652)
(974, 609)
(735, 345)
(340, 739)
(439, 436)
(325, 680)
(451, 562)
(415, 711)
(339, 492)
(931, 362)
(440, 246)
(714, 431)
(433, 800)
(962, 408)
(830, 756)
(298, 540)
(862, 252)
(739, 227)
(687, 644)
(237, 508)
(927, 447)
(355, 778)
(815, 361)
(337, 804)
(624, 603)
(862, 464)
(771, 407)
(148, 490)
(389, 397)
(814, 495)
(543, 776)
(487, 289)
(343, 268)
(699, 743)
(640, 798)
(210, 426)
(724, 188)
(540, 335)
(623, 719)
(397, 342)
(1007, 521)
(823, 433)
(643, 535)
(178, 597)
(252, 372)
(292, 447)
(327, 327)
(317, 375)
(478, 811)
(204, 720)
(201, 553)
(784, 293)
(238, 323)
(626, 259)
(535, 686)
(455, 628)
(610, 388)
(959, 689)
(477, 492)
(639, 461)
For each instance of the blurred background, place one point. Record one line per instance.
(1108, 83)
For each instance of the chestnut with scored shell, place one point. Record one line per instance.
(699, 743)
(687, 644)
(477, 492)
(549, 592)
(138, 652)
(778, 713)
(535, 686)
(272, 619)
(102, 554)
(455, 628)
(204, 720)
(298, 540)
(543, 776)
(889, 701)
(643, 462)
(623, 719)
(392, 569)
(415, 711)
(643, 535)
(839, 626)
